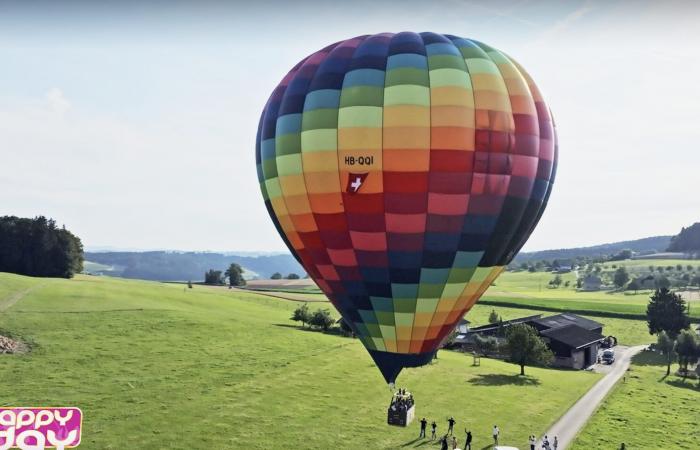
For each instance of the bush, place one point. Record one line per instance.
(321, 318)
(302, 314)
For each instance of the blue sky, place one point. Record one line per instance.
(134, 122)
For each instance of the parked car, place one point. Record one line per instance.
(608, 356)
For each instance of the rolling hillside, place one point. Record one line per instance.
(153, 365)
(183, 266)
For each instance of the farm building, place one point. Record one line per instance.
(573, 339)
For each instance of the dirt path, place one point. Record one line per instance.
(9, 301)
(569, 425)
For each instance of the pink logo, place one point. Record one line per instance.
(40, 428)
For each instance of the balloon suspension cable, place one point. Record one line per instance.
(392, 388)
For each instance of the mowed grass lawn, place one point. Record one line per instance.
(156, 365)
(647, 411)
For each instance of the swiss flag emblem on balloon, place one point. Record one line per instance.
(355, 182)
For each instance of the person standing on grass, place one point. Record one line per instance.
(450, 425)
(443, 443)
(434, 427)
(533, 442)
(454, 443)
(496, 432)
(468, 442)
(556, 442)
(423, 424)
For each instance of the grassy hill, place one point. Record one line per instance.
(157, 365)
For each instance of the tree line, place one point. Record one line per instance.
(234, 275)
(668, 319)
(38, 247)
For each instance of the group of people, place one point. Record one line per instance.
(449, 440)
(402, 400)
(445, 441)
(546, 445)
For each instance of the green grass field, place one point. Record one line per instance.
(530, 290)
(156, 365)
(647, 411)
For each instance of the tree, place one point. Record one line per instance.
(666, 346)
(567, 283)
(292, 276)
(622, 255)
(687, 348)
(493, 317)
(213, 277)
(189, 284)
(234, 273)
(579, 282)
(666, 311)
(688, 240)
(621, 277)
(276, 276)
(485, 345)
(556, 281)
(302, 314)
(321, 318)
(525, 347)
(38, 248)
(634, 285)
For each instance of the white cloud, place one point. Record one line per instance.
(57, 101)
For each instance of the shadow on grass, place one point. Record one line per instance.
(647, 358)
(687, 384)
(504, 380)
(332, 331)
(410, 443)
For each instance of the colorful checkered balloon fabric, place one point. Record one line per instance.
(404, 171)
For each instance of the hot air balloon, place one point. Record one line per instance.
(405, 171)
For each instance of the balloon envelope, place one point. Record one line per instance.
(404, 171)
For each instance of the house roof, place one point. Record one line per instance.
(493, 326)
(561, 320)
(573, 335)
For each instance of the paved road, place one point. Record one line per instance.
(569, 425)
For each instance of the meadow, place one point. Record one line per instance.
(155, 365)
(531, 290)
(646, 411)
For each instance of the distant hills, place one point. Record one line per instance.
(643, 246)
(183, 266)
